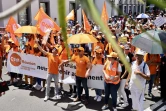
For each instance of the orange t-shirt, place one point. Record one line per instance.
(97, 61)
(73, 56)
(53, 63)
(1, 52)
(37, 54)
(154, 58)
(16, 49)
(81, 65)
(63, 53)
(31, 52)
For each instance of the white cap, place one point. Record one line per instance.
(140, 52)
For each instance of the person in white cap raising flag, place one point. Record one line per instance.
(139, 74)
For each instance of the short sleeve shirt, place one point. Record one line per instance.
(137, 81)
(81, 65)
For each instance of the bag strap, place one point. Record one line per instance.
(61, 51)
(144, 67)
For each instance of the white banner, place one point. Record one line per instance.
(95, 80)
(160, 21)
(27, 64)
(38, 66)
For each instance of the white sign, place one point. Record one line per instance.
(27, 64)
(38, 67)
(95, 80)
(160, 21)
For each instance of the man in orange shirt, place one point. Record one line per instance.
(153, 61)
(53, 64)
(83, 67)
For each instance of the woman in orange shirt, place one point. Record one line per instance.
(98, 60)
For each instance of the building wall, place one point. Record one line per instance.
(53, 9)
(6, 5)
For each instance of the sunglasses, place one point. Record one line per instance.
(79, 50)
(75, 50)
(98, 53)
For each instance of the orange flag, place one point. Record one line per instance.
(70, 16)
(11, 27)
(37, 15)
(45, 22)
(104, 15)
(87, 25)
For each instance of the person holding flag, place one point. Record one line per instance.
(53, 63)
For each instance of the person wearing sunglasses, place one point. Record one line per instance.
(83, 67)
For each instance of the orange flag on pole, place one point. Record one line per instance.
(70, 16)
(87, 25)
(37, 15)
(45, 22)
(104, 15)
(11, 27)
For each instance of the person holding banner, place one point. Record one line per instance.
(98, 60)
(28, 50)
(83, 67)
(112, 71)
(13, 75)
(53, 63)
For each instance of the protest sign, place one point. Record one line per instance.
(159, 21)
(95, 80)
(27, 64)
(122, 40)
(38, 67)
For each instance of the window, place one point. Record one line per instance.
(120, 1)
(142, 9)
(45, 6)
(125, 9)
(138, 8)
(134, 9)
(24, 16)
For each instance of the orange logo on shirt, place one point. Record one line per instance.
(15, 59)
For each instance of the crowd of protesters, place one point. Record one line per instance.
(146, 68)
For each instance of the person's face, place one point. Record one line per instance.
(10, 43)
(75, 51)
(80, 52)
(98, 55)
(54, 51)
(126, 51)
(139, 58)
(111, 59)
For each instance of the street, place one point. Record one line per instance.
(31, 100)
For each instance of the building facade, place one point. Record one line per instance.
(26, 16)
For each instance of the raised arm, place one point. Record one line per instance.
(40, 48)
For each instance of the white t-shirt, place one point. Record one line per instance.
(137, 81)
